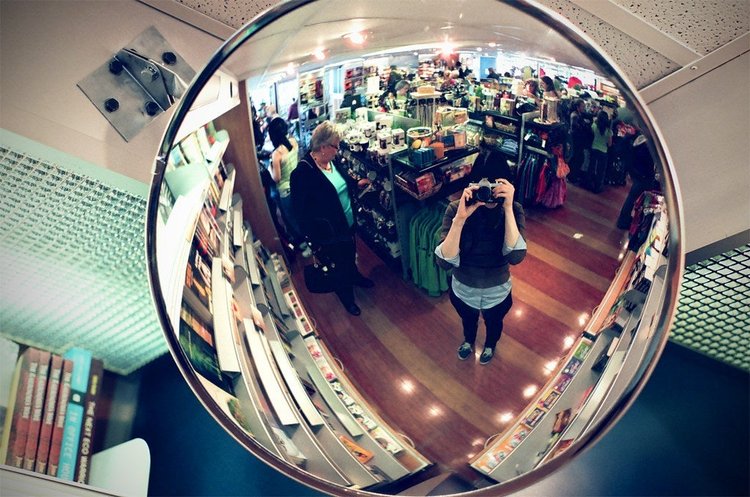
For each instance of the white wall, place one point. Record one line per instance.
(706, 126)
(48, 46)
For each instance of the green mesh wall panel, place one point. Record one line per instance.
(73, 268)
(713, 316)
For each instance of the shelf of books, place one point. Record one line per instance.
(244, 331)
(48, 416)
(598, 370)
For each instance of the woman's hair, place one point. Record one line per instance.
(325, 133)
(549, 85)
(602, 121)
(534, 85)
(278, 132)
(401, 84)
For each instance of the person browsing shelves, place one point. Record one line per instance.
(479, 243)
(323, 209)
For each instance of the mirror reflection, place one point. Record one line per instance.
(417, 249)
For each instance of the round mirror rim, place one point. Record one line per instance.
(675, 265)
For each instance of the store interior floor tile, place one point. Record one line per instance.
(687, 434)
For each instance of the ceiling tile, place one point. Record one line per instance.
(703, 25)
(235, 14)
(641, 64)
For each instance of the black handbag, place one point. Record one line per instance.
(319, 278)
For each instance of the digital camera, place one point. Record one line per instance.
(484, 193)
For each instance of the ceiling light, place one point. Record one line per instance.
(583, 318)
(578, 236)
(569, 341)
(447, 47)
(319, 54)
(356, 37)
(505, 417)
(492, 44)
(407, 386)
(479, 49)
(530, 391)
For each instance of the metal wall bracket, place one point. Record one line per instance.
(138, 83)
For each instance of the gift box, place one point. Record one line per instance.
(421, 157)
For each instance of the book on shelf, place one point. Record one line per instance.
(8, 357)
(493, 457)
(288, 447)
(228, 403)
(197, 341)
(48, 414)
(360, 453)
(83, 465)
(79, 381)
(549, 399)
(13, 445)
(198, 277)
(385, 440)
(534, 416)
(53, 459)
(572, 367)
(562, 420)
(35, 423)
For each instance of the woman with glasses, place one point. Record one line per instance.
(323, 209)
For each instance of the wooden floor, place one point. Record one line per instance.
(401, 352)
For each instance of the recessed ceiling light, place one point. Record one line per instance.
(492, 44)
(356, 37)
(319, 54)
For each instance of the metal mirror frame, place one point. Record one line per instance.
(675, 265)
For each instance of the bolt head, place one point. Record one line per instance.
(115, 67)
(169, 58)
(111, 105)
(152, 108)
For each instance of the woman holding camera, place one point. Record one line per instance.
(323, 209)
(482, 235)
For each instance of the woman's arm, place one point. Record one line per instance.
(275, 168)
(450, 243)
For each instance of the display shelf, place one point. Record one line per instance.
(221, 292)
(259, 352)
(451, 156)
(516, 449)
(500, 132)
(394, 458)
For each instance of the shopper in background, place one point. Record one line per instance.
(531, 91)
(293, 111)
(284, 160)
(323, 209)
(579, 135)
(478, 244)
(548, 88)
(643, 177)
(599, 152)
(491, 74)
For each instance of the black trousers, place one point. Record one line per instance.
(493, 319)
(343, 254)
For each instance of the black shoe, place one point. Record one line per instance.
(353, 309)
(465, 350)
(486, 356)
(363, 282)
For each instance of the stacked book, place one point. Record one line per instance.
(50, 412)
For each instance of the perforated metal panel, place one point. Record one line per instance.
(713, 316)
(73, 268)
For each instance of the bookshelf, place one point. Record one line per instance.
(597, 372)
(246, 333)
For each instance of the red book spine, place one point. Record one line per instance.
(48, 415)
(62, 408)
(35, 424)
(96, 375)
(17, 451)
